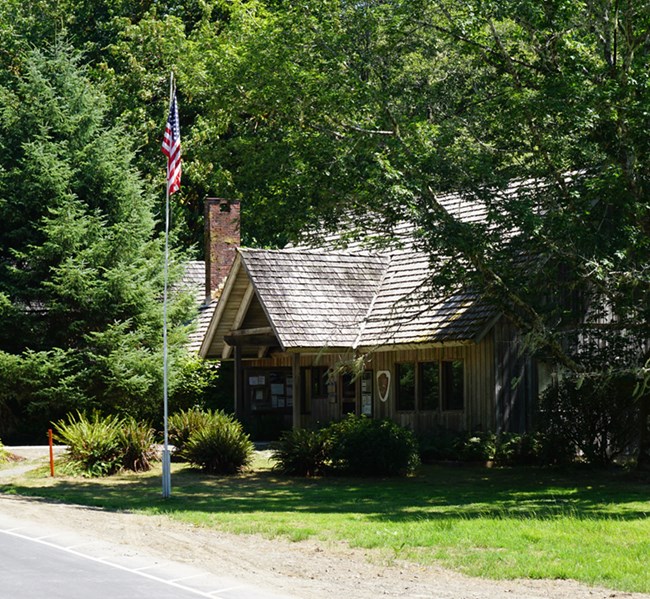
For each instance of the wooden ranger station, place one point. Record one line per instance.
(295, 320)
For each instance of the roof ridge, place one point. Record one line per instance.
(369, 253)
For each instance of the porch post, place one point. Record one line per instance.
(297, 399)
(239, 384)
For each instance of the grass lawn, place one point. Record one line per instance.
(587, 525)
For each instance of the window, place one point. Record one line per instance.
(452, 374)
(313, 383)
(348, 394)
(406, 386)
(319, 378)
(428, 385)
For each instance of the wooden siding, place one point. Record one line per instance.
(479, 386)
(255, 316)
(515, 379)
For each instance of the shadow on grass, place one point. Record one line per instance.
(437, 493)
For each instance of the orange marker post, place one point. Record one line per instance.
(49, 435)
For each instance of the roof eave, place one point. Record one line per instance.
(221, 305)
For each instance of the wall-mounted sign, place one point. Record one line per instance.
(366, 393)
(383, 384)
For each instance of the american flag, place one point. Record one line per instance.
(171, 147)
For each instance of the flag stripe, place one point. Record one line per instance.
(171, 147)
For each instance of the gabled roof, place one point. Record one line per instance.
(313, 299)
(328, 298)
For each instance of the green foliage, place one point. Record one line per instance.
(194, 382)
(354, 446)
(514, 449)
(182, 424)
(137, 445)
(93, 443)
(325, 110)
(438, 444)
(220, 446)
(441, 444)
(103, 445)
(80, 260)
(598, 418)
(301, 452)
(505, 449)
(362, 446)
(475, 446)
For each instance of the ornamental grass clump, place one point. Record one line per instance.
(137, 442)
(183, 423)
(220, 446)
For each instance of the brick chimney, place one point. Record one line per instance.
(222, 239)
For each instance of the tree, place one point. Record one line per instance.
(346, 110)
(80, 263)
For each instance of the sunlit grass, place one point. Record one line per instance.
(586, 525)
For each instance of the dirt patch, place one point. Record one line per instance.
(305, 570)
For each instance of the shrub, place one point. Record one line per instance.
(193, 382)
(300, 452)
(555, 447)
(220, 446)
(361, 446)
(514, 449)
(475, 446)
(182, 424)
(94, 447)
(598, 417)
(104, 445)
(439, 444)
(137, 445)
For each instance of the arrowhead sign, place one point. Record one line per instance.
(383, 384)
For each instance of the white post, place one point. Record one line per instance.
(166, 462)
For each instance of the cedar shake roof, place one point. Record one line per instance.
(315, 299)
(320, 298)
(407, 310)
(193, 281)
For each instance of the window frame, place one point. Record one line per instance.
(420, 395)
(449, 403)
(450, 387)
(399, 393)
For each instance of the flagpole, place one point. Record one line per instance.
(166, 461)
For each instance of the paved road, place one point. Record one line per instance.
(57, 564)
(37, 563)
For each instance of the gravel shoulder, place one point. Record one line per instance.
(304, 570)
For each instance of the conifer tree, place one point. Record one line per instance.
(80, 263)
